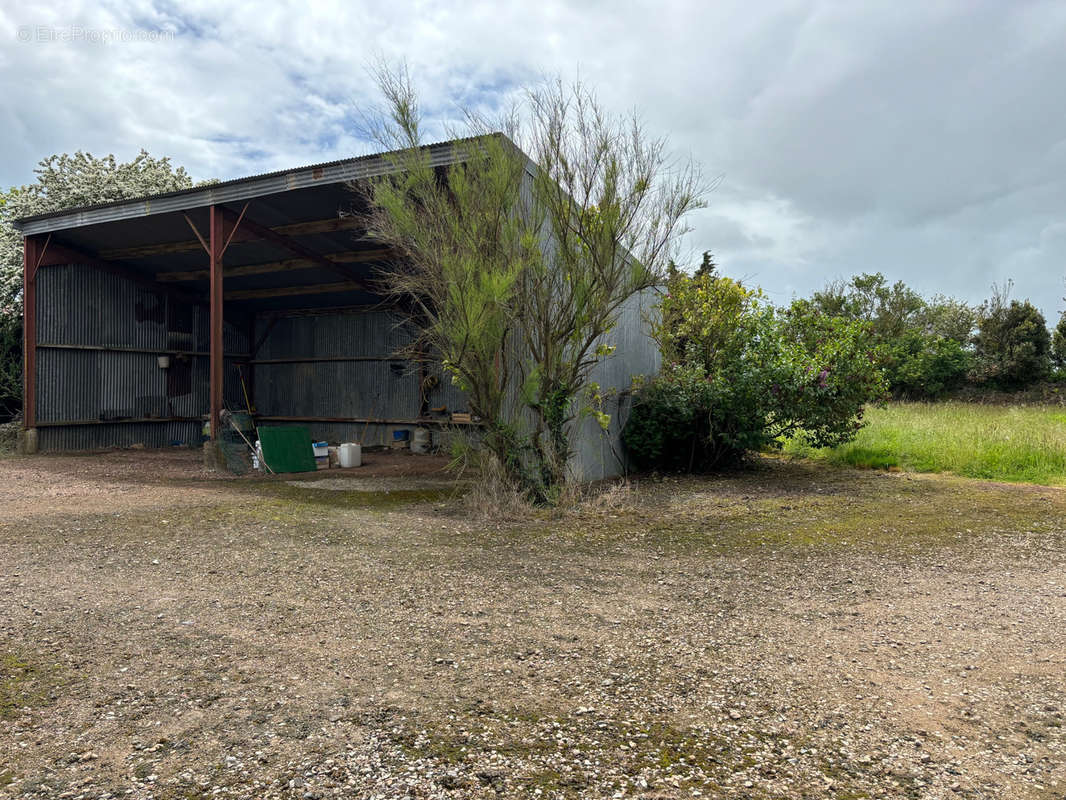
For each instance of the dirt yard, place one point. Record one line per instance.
(794, 631)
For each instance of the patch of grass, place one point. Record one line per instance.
(792, 505)
(306, 498)
(23, 685)
(1005, 443)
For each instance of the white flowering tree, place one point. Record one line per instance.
(63, 181)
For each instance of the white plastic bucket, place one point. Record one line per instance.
(351, 455)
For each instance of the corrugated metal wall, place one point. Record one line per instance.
(599, 454)
(79, 305)
(119, 434)
(375, 384)
(90, 326)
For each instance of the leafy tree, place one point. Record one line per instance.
(63, 181)
(10, 366)
(1058, 343)
(69, 181)
(738, 374)
(515, 268)
(1013, 346)
(922, 346)
(889, 309)
(707, 264)
(926, 365)
(947, 318)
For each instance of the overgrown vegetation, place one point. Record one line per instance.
(929, 348)
(514, 268)
(739, 374)
(63, 181)
(1008, 443)
(10, 364)
(1012, 347)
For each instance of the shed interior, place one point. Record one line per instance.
(141, 325)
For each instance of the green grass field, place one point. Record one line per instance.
(1005, 443)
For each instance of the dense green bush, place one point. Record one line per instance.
(739, 374)
(922, 345)
(1012, 345)
(920, 365)
(1058, 344)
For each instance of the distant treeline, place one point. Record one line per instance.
(931, 347)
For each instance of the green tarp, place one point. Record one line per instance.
(287, 448)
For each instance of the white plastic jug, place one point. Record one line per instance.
(351, 455)
(420, 444)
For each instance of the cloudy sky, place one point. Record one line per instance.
(922, 139)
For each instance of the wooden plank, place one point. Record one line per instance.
(113, 348)
(121, 421)
(286, 242)
(292, 291)
(348, 257)
(330, 225)
(329, 359)
(371, 420)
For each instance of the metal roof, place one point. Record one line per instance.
(238, 189)
(149, 238)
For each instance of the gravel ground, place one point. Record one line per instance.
(794, 631)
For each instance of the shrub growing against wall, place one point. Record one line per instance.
(739, 374)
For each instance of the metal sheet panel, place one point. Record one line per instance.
(122, 434)
(91, 385)
(599, 454)
(77, 304)
(80, 306)
(231, 191)
(356, 333)
(386, 388)
(376, 389)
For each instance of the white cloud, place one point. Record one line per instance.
(925, 140)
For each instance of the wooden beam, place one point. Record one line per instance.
(329, 359)
(349, 257)
(258, 343)
(320, 311)
(114, 348)
(199, 236)
(293, 291)
(121, 421)
(371, 420)
(330, 225)
(285, 242)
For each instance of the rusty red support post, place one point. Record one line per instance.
(217, 243)
(30, 257)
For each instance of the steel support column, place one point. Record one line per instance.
(216, 246)
(30, 257)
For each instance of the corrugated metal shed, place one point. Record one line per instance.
(301, 318)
